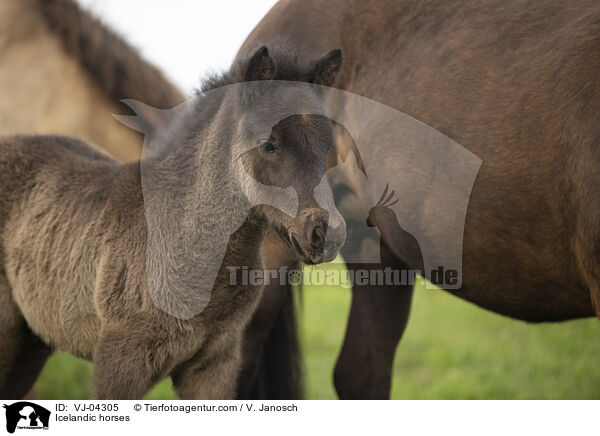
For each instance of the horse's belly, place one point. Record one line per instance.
(63, 317)
(546, 303)
(499, 279)
(64, 327)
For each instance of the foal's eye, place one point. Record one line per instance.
(267, 147)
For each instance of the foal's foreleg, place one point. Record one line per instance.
(127, 364)
(210, 375)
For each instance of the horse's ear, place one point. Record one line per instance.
(327, 68)
(261, 66)
(343, 144)
(147, 120)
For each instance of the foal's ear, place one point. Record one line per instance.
(147, 119)
(327, 68)
(261, 66)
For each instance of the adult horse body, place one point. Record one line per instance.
(516, 83)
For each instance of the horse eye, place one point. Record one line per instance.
(267, 147)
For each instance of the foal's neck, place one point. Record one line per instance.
(197, 221)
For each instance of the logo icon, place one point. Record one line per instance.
(26, 415)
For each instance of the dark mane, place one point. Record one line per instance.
(291, 66)
(116, 67)
(214, 81)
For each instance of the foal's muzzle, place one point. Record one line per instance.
(318, 239)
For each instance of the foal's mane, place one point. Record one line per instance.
(290, 66)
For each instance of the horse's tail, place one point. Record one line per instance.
(280, 374)
(115, 66)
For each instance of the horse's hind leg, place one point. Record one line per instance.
(22, 354)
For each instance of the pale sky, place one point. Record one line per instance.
(185, 38)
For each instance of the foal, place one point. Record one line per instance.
(76, 269)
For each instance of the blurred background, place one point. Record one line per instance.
(451, 349)
(185, 38)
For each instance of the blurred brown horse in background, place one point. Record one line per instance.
(515, 82)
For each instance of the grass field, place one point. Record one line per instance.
(451, 349)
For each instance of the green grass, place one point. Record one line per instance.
(451, 349)
(68, 378)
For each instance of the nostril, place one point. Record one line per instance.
(317, 236)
